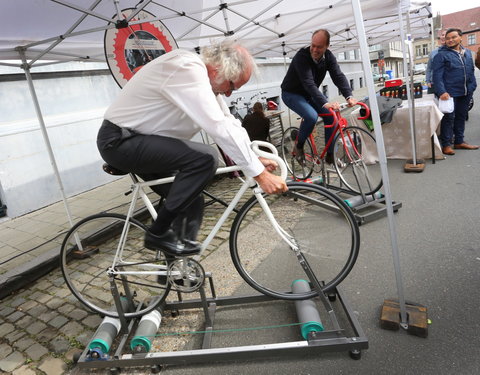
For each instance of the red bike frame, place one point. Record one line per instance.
(339, 123)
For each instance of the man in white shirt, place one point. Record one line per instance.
(147, 131)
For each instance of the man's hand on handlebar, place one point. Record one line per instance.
(334, 106)
(352, 101)
(270, 183)
(269, 164)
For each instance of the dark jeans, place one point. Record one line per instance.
(152, 157)
(452, 127)
(308, 111)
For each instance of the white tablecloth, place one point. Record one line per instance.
(397, 134)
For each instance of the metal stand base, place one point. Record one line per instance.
(416, 167)
(329, 340)
(368, 210)
(373, 210)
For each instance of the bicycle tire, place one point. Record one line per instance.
(298, 171)
(359, 175)
(323, 227)
(85, 273)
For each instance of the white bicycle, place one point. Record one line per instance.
(305, 233)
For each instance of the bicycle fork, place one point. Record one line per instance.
(301, 258)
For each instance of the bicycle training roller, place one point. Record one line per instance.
(307, 312)
(106, 333)
(357, 200)
(146, 330)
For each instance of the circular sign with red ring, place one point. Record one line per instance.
(129, 48)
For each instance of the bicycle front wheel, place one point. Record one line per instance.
(321, 226)
(92, 267)
(355, 171)
(299, 171)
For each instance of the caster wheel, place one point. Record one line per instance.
(76, 357)
(155, 369)
(332, 297)
(114, 371)
(355, 354)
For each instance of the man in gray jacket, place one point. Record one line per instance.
(453, 76)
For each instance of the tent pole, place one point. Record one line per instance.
(285, 68)
(357, 12)
(38, 111)
(410, 84)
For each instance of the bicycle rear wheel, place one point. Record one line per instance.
(298, 170)
(358, 174)
(86, 271)
(322, 226)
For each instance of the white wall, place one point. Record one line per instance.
(73, 109)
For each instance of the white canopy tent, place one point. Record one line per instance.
(50, 31)
(59, 30)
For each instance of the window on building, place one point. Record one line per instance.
(471, 40)
(425, 49)
(418, 51)
(360, 81)
(351, 55)
(341, 56)
(352, 84)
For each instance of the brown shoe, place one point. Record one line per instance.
(465, 146)
(447, 150)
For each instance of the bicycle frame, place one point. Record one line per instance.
(339, 123)
(138, 192)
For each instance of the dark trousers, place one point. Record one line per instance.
(452, 127)
(309, 111)
(152, 157)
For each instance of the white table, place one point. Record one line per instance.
(397, 134)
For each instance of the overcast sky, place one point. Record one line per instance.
(451, 6)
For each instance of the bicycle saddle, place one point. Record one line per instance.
(112, 170)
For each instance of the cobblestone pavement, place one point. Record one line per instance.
(42, 325)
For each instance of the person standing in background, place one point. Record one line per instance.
(428, 72)
(256, 124)
(453, 76)
(477, 59)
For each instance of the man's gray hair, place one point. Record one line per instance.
(229, 58)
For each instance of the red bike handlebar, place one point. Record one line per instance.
(337, 116)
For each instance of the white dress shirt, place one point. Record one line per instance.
(172, 96)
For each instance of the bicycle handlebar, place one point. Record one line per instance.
(367, 111)
(273, 156)
(336, 115)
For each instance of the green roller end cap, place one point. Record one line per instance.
(140, 340)
(101, 344)
(310, 327)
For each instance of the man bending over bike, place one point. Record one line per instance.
(300, 88)
(147, 131)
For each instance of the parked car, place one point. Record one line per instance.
(419, 69)
(377, 76)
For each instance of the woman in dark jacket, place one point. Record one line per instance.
(453, 76)
(256, 124)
